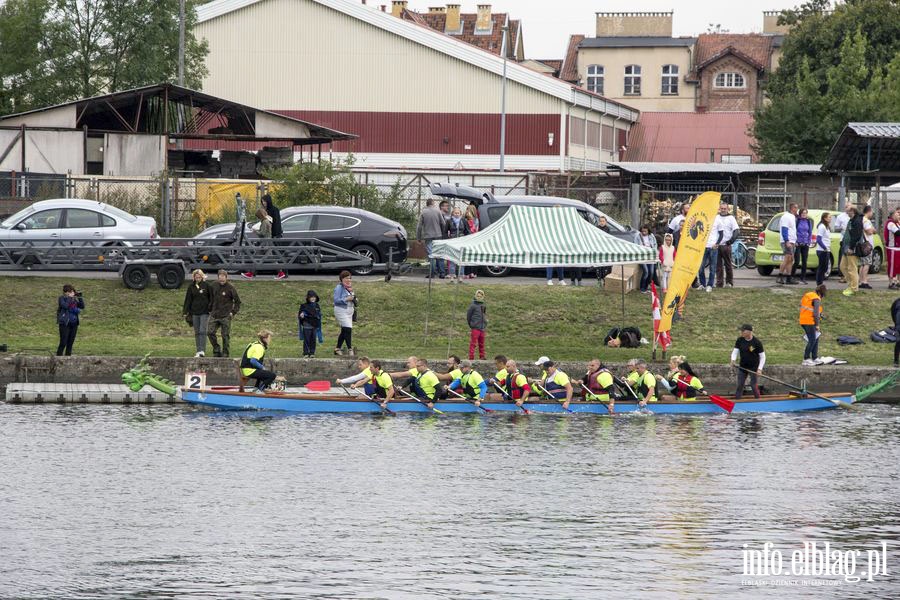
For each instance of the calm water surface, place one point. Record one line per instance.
(165, 502)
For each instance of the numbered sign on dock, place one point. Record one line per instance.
(195, 380)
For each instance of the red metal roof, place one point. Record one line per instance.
(689, 137)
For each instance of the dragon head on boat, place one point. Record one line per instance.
(140, 375)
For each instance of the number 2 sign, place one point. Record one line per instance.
(195, 380)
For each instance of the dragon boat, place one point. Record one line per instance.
(303, 400)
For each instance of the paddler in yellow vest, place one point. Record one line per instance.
(453, 373)
(473, 385)
(644, 383)
(423, 382)
(810, 320)
(688, 385)
(557, 383)
(383, 384)
(540, 363)
(252, 361)
(599, 383)
(499, 377)
(362, 379)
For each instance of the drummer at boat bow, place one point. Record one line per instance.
(644, 383)
(362, 379)
(382, 383)
(252, 361)
(421, 380)
(598, 384)
(556, 383)
(472, 383)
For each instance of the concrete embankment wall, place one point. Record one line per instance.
(222, 371)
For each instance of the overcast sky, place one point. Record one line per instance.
(548, 23)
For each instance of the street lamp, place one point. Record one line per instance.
(503, 46)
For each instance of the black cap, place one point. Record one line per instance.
(746, 327)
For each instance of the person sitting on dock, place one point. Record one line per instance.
(644, 383)
(383, 384)
(598, 384)
(688, 385)
(472, 383)
(252, 361)
(362, 379)
(557, 383)
(516, 388)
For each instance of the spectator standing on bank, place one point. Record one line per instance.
(751, 358)
(891, 236)
(309, 319)
(456, 228)
(476, 317)
(197, 300)
(788, 228)
(869, 237)
(677, 222)
(224, 305)
(431, 227)
(823, 247)
(810, 321)
(264, 233)
(68, 309)
(277, 232)
(805, 238)
(850, 239)
(710, 256)
(648, 240)
(602, 272)
(728, 225)
(667, 259)
(344, 306)
(839, 224)
(895, 316)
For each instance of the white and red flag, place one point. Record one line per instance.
(664, 339)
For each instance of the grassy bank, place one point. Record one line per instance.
(524, 321)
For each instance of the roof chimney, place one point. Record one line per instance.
(436, 10)
(483, 21)
(770, 22)
(397, 7)
(621, 24)
(453, 24)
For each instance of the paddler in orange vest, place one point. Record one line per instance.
(687, 385)
(598, 385)
(810, 320)
(516, 387)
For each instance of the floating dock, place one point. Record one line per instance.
(84, 393)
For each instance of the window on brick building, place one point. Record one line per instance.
(633, 80)
(729, 80)
(670, 80)
(595, 79)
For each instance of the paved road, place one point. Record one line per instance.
(743, 278)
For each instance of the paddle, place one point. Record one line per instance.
(384, 409)
(486, 410)
(624, 382)
(425, 404)
(590, 393)
(843, 405)
(502, 391)
(722, 403)
(318, 386)
(548, 394)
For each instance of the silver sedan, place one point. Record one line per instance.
(62, 220)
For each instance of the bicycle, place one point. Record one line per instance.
(742, 256)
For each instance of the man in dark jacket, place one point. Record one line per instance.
(224, 305)
(477, 319)
(432, 226)
(277, 230)
(849, 264)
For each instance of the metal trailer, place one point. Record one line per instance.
(172, 258)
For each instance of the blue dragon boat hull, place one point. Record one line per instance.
(312, 403)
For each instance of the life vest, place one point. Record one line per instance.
(643, 387)
(470, 383)
(684, 389)
(807, 310)
(254, 350)
(500, 377)
(512, 386)
(382, 384)
(592, 383)
(598, 392)
(556, 384)
(427, 383)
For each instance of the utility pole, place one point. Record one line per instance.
(181, 44)
(503, 48)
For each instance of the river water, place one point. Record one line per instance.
(169, 502)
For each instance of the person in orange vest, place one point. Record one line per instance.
(810, 320)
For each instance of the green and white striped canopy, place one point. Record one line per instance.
(531, 237)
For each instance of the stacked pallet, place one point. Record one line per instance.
(237, 165)
(273, 158)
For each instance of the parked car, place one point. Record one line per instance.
(354, 229)
(491, 208)
(769, 254)
(50, 221)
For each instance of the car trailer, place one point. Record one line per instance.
(171, 259)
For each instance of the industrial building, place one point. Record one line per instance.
(417, 98)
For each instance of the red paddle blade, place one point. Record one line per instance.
(318, 386)
(722, 403)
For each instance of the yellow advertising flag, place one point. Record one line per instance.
(689, 255)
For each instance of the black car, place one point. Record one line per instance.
(491, 208)
(354, 229)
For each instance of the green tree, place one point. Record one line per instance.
(23, 79)
(837, 67)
